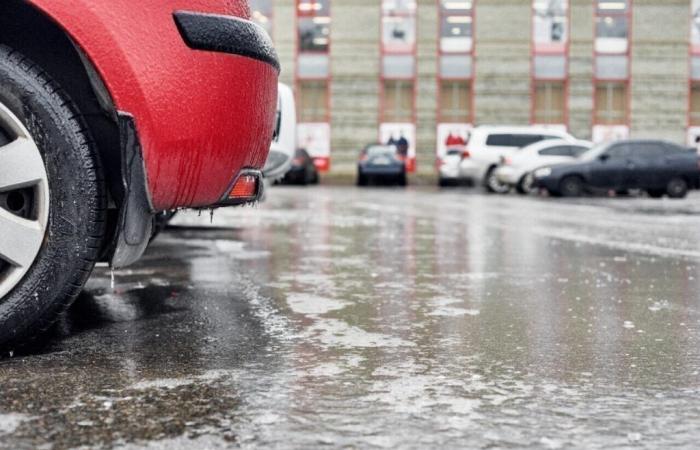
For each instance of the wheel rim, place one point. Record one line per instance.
(677, 187)
(24, 201)
(572, 187)
(494, 184)
(528, 183)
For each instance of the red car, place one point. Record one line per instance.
(110, 112)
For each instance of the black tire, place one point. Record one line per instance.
(77, 201)
(402, 179)
(656, 193)
(571, 186)
(443, 182)
(677, 188)
(361, 179)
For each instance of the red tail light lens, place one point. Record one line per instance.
(466, 154)
(246, 188)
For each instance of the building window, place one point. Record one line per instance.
(550, 102)
(398, 25)
(261, 13)
(612, 26)
(550, 62)
(398, 75)
(455, 101)
(456, 26)
(455, 82)
(314, 25)
(312, 79)
(611, 103)
(313, 101)
(398, 101)
(550, 25)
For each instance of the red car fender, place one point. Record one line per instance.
(201, 116)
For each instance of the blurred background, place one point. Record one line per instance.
(374, 70)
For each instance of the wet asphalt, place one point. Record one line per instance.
(381, 318)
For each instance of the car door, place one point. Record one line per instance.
(650, 165)
(610, 169)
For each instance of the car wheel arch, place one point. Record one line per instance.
(64, 60)
(55, 52)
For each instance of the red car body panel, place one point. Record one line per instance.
(201, 116)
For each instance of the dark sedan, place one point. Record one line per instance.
(381, 163)
(303, 170)
(657, 167)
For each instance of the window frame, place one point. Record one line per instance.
(470, 79)
(563, 51)
(322, 163)
(627, 81)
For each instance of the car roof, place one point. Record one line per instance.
(541, 145)
(518, 129)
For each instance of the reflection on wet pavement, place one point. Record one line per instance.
(382, 318)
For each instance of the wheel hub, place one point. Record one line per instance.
(24, 201)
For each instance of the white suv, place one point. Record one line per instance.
(488, 144)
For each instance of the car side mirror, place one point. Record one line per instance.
(604, 157)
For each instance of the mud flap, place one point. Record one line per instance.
(135, 223)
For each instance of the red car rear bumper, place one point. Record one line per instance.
(202, 113)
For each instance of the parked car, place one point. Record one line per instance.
(111, 112)
(488, 144)
(303, 170)
(449, 167)
(381, 163)
(517, 171)
(656, 167)
(283, 147)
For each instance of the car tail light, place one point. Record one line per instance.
(363, 157)
(245, 188)
(466, 154)
(439, 162)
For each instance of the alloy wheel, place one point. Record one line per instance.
(24, 200)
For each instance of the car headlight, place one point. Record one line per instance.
(543, 172)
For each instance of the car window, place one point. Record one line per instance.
(513, 140)
(559, 150)
(647, 150)
(578, 150)
(618, 151)
(673, 149)
(381, 150)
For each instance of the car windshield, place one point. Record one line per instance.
(381, 150)
(595, 152)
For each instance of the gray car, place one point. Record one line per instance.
(381, 163)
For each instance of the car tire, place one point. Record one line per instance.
(677, 188)
(402, 179)
(571, 186)
(493, 185)
(526, 184)
(361, 179)
(66, 208)
(656, 193)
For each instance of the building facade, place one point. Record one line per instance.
(428, 70)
